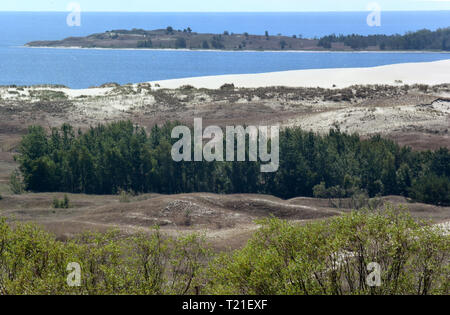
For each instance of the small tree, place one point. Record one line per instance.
(61, 204)
(169, 30)
(320, 191)
(16, 183)
(66, 202)
(124, 196)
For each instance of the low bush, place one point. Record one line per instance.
(335, 256)
(61, 204)
(34, 262)
(325, 257)
(16, 184)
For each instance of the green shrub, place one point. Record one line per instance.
(325, 257)
(34, 262)
(48, 95)
(15, 183)
(331, 257)
(227, 87)
(61, 204)
(124, 196)
(432, 189)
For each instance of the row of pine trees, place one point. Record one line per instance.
(119, 156)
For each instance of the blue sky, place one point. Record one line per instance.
(222, 5)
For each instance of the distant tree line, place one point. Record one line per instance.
(145, 44)
(423, 39)
(119, 156)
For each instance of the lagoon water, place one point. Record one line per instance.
(82, 68)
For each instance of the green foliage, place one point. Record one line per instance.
(227, 87)
(432, 189)
(145, 44)
(422, 39)
(169, 30)
(16, 183)
(216, 42)
(331, 257)
(61, 204)
(324, 257)
(124, 196)
(180, 42)
(34, 262)
(119, 156)
(48, 95)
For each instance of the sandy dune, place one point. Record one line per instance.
(431, 73)
(226, 220)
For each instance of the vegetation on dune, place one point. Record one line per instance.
(332, 257)
(15, 183)
(118, 157)
(61, 204)
(48, 95)
(327, 257)
(32, 261)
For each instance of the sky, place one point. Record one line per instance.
(222, 5)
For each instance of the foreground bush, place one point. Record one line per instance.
(34, 262)
(332, 257)
(328, 257)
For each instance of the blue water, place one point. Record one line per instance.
(83, 68)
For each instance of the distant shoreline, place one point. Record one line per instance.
(169, 38)
(246, 51)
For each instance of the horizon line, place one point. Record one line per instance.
(316, 11)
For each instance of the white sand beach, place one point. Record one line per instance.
(431, 73)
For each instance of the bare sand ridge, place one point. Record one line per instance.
(430, 73)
